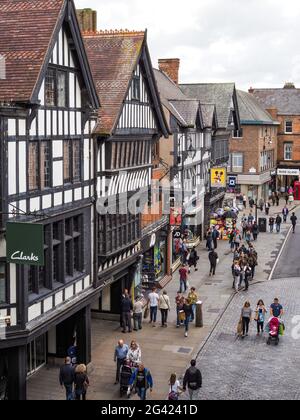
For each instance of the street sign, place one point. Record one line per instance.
(232, 181)
(218, 177)
(25, 243)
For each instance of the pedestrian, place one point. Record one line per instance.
(246, 315)
(231, 240)
(251, 203)
(179, 300)
(237, 275)
(285, 213)
(248, 236)
(66, 378)
(255, 231)
(267, 208)
(184, 252)
(245, 201)
(294, 222)
(273, 199)
(141, 380)
(286, 196)
(261, 204)
(213, 259)
(153, 301)
(138, 313)
(215, 237)
(174, 388)
(193, 259)
(250, 219)
(278, 222)
(81, 382)
(244, 227)
(120, 356)
(187, 309)
(253, 260)
(277, 199)
(72, 352)
(183, 273)
(192, 379)
(271, 224)
(237, 240)
(165, 307)
(134, 354)
(276, 309)
(126, 311)
(291, 199)
(260, 315)
(209, 240)
(247, 276)
(192, 300)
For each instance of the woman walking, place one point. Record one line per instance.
(174, 388)
(261, 312)
(187, 308)
(193, 299)
(165, 307)
(81, 382)
(246, 318)
(134, 354)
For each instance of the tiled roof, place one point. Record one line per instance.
(26, 28)
(208, 112)
(187, 109)
(220, 94)
(113, 56)
(287, 101)
(251, 111)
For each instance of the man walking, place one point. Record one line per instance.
(294, 222)
(276, 309)
(183, 273)
(153, 300)
(215, 237)
(66, 378)
(278, 224)
(119, 357)
(141, 380)
(271, 224)
(138, 313)
(192, 379)
(126, 308)
(213, 259)
(285, 213)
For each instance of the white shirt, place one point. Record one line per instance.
(174, 388)
(154, 298)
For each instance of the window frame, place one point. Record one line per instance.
(69, 151)
(292, 127)
(6, 283)
(40, 184)
(291, 145)
(236, 168)
(57, 72)
(136, 89)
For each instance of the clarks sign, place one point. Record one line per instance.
(25, 243)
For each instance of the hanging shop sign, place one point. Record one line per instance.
(25, 243)
(175, 217)
(218, 177)
(177, 234)
(232, 181)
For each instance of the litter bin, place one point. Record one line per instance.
(199, 315)
(262, 224)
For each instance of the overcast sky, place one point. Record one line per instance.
(249, 42)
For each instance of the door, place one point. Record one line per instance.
(36, 355)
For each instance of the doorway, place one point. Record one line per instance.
(36, 354)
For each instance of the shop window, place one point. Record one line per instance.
(3, 283)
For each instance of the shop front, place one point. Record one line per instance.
(286, 178)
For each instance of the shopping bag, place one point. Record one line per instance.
(181, 316)
(147, 312)
(240, 328)
(281, 329)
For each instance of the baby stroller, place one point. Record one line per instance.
(125, 375)
(274, 325)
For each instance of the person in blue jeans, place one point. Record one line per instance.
(141, 380)
(66, 378)
(188, 315)
(153, 301)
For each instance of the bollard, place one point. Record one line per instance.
(199, 315)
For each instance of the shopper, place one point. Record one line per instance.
(183, 273)
(81, 382)
(192, 380)
(179, 300)
(192, 300)
(66, 378)
(294, 220)
(141, 380)
(193, 260)
(134, 354)
(213, 259)
(126, 309)
(246, 318)
(285, 213)
(153, 301)
(120, 356)
(271, 224)
(187, 308)
(260, 315)
(174, 388)
(165, 307)
(138, 313)
(278, 222)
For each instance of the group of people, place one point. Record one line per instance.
(245, 261)
(279, 220)
(260, 313)
(74, 379)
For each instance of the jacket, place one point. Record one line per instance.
(213, 256)
(164, 302)
(66, 375)
(126, 304)
(192, 379)
(81, 382)
(148, 378)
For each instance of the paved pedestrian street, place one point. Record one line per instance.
(238, 369)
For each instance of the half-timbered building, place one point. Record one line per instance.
(48, 105)
(188, 155)
(131, 123)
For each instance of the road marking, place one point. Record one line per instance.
(280, 253)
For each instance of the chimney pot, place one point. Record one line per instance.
(87, 19)
(170, 66)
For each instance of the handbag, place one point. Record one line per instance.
(181, 316)
(173, 396)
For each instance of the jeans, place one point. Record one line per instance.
(120, 363)
(126, 321)
(253, 271)
(271, 228)
(294, 228)
(260, 327)
(153, 313)
(213, 268)
(278, 228)
(164, 316)
(191, 393)
(246, 282)
(178, 321)
(246, 323)
(237, 283)
(183, 286)
(138, 320)
(69, 392)
(80, 394)
(193, 312)
(141, 393)
(187, 323)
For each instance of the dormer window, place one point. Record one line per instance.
(56, 88)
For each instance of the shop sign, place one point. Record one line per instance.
(218, 177)
(175, 217)
(25, 244)
(288, 172)
(177, 234)
(232, 181)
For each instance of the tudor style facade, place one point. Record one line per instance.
(47, 115)
(131, 123)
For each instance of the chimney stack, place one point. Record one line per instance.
(251, 90)
(170, 66)
(87, 19)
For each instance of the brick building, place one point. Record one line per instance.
(284, 106)
(253, 155)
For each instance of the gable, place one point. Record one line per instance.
(137, 112)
